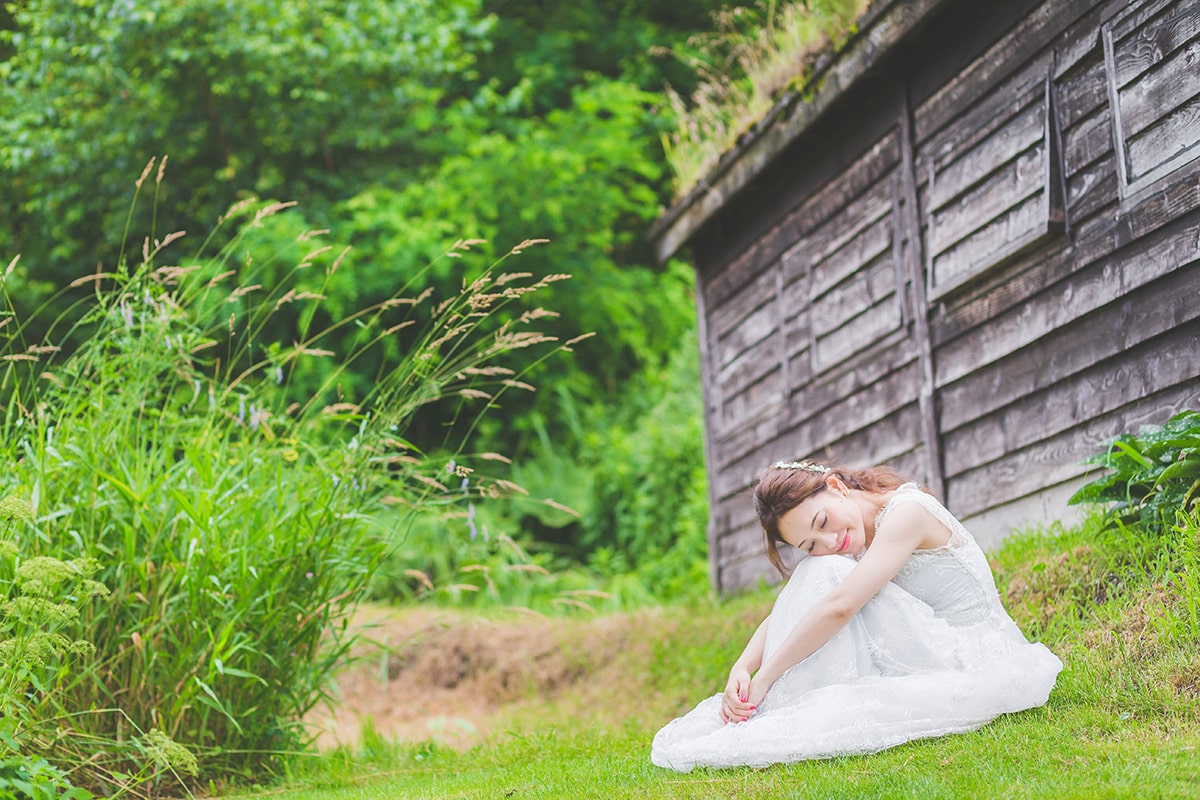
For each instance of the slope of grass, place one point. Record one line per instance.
(1119, 606)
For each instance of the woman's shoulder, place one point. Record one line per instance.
(909, 503)
(906, 492)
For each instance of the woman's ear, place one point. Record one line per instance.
(836, 484)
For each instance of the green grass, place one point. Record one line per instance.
(1124, 720)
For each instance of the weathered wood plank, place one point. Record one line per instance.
(1006, 190)
(1141, 49)
(1164, 206)
(1144, 101)
(819, 244)
(741, 574)
(1087, 142)
(957, 172)
(866, 408)
(861, 174)
(884, 439)
(1080, 95)
(727, 279)
(746, 338)
(744, 541)
(1023, 42)
(750, 366)
(797, 332)
(1078, 46)
(733, 311)
(855, 336)
(865, 289)
(712, 405)
(1059, 458)
(1092, 188)
(762, 397)
(1020, 227)
(1173, 139)
(1114, 383)
(1093, 239)
(865, 246)
(1085, 291)
(1151, 311)
(757, 326)
(733, 514)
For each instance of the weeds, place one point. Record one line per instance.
(235, 525)
(755, 55)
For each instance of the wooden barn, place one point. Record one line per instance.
(972, 251)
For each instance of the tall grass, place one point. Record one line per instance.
(236, 526)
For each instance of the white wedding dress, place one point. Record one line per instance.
(933, 653)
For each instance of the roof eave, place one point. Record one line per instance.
(884, 25)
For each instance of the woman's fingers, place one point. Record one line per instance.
(736, 711)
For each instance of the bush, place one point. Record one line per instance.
(235, 527)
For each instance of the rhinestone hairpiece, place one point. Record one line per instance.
(804, 465)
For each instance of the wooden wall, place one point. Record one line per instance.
(979, 265)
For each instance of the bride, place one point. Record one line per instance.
(900, 637)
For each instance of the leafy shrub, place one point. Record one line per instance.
(1154, 473)
(35, 779)
(649, 514)
(236, 527)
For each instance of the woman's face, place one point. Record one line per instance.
(825, 524)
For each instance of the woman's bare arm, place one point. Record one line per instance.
(909, 527)
(734, 705)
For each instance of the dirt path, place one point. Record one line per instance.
(455, 678)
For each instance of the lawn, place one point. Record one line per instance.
(569, 708)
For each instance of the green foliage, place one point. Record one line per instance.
(401, 127)
(1154, 473)
(41, 602)
(235, 526)
(582, 177)
(649, 513)
(385, 127)
(632, 508)
(543, 49)
(24, 778)
(263, 97)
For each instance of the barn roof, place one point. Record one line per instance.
(884, 25)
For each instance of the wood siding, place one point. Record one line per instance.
(976, 268)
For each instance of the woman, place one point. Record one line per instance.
(900, 637)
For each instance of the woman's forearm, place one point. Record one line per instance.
(810, 634)
(751, 658)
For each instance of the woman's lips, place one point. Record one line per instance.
(845, 542)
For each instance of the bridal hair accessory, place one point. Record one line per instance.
(808, 466)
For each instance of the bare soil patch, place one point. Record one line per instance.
(456, 678)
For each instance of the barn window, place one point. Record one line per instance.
(1152, 56)
(992, 189)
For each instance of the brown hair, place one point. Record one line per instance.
(782, 488)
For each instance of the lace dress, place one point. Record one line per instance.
(933, 653)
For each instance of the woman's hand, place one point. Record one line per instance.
(735, 705)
